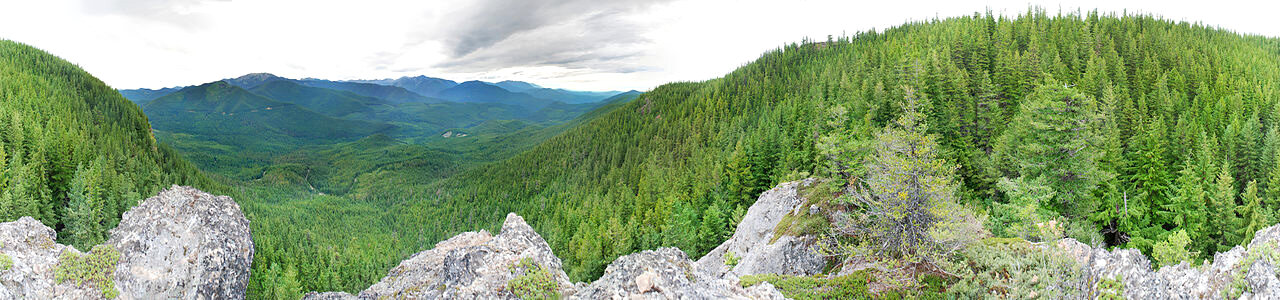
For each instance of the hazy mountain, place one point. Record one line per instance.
(142, 96)
(516, 86)
(392, 94)
(483, 92)
(423, 85)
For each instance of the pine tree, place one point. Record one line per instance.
(1053, 136)
(712, 231)
(1255, 216)
(1186, 206)
(908, 184)
(1224, 222)
(1147, 168)
(82, 225)
(1272, 199)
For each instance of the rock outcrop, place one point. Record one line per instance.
(182, 243)
(472, 265)
(1246, 273)
(477, 265)
(666, 273)
(753, 243)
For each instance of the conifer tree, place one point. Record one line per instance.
(1224, 222)
(908, 184)
(1053, 136)
(1255, 217)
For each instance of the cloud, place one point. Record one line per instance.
(575, 34)
(178, 12)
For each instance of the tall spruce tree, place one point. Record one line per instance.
(1053, 137)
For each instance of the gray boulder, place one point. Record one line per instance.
(180, 244)
(183, 243)
(472, 265)
(753, 242)
(666, 273)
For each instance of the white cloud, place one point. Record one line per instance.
(574, 44)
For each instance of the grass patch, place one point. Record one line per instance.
(535, 282)
(93, 269)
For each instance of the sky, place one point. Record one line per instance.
(573, 44)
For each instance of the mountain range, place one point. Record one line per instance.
(420, 89)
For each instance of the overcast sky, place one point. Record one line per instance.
(576, 44)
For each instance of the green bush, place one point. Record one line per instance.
(6, 262)
(731, 259)
(1111, 289)
(93, 269)
(535, 282)
(1173, 250)
(1012, 268)
(852, 286)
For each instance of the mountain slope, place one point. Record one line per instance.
(482, 92)
(568, 96)
(64, 132)
(516, 86)
(223, 127)
(392, 94)
(669, 168)
(142, 96)
(331, 103)
(423, 85)
(252, 80)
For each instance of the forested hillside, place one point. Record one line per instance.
(1126, 129)
(73, 152)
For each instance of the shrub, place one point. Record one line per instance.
(852, 286)
(731, 259)
(1111, 289)
(1173, 249)
(93, 269)
(6, 262)
(1012, 268)
(535, 282)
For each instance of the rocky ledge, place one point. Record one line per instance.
(1241, 273)
(182, 243)
(477, 265)
(754, 247)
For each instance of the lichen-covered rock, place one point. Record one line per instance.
(473, 265)
(1247, 273)
(329, 296)
(666, 273)
(753, 243)
(34, 254)
(183, 243)
(180, 244)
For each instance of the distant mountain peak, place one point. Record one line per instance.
(254, 79)
(517, 86)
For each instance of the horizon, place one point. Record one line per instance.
(572, 45)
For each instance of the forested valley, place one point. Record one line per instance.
(1116, 130)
